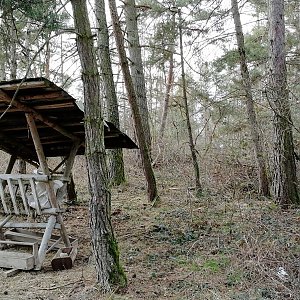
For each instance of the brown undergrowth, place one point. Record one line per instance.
(228, 244)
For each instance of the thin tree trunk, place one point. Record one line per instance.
(136, 67)
(149, 174)
(285, 182)
(254, 127)
(13, 48)
(47, 60)
(21, 165)
(169, 85)
(108, 268)
(116, 163)
(187, 116)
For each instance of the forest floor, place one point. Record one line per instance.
(228, 244)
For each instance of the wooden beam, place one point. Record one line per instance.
(25, 85)
(59, 165)
(11, 164)
(36, 115)
(45, 95)
(27, 225)
(45, 169)
(37, 143)
(9, 168)
(70, 160)
(26, 177)
(16, 127)
(42, 106)
(45, 240)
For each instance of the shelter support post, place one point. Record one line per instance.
(69, 187)
(70, 159)
(45, 170)
(11, 164)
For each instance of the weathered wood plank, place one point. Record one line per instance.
(20, 237)
(45, 96)
(24, 85)
(16, 260)
(18, 243)
(54, 106)
(42, 178)
(54, 245)
(36, 235)
(28, 225)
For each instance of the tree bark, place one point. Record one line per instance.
(13, 48)
(136, 67)
(285, 181)
(187, 116)
(47, 60)
(169, 84)
(116, 162)
(254, 127)
(109, 270)
(149, 174)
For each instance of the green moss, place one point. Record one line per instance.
(117, 274)
(199, 193)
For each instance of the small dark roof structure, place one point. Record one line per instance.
(58, 119)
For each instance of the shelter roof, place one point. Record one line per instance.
(58, 119)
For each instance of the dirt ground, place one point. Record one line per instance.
(228, 244)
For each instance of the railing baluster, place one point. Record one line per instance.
(35, 196)
(2, 195)
(13, 196)
(23, 195)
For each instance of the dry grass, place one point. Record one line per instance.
(229, 244)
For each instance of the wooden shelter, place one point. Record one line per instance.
(39, 120)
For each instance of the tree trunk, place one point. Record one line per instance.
(3, 51)
(285, 179)
(109, 270)
(13, 66)
(149, 174)
(116, 163)
(47, 60)
(136, 67)
(254, 127)
(13, 48)
(187, 116)
(169, 83)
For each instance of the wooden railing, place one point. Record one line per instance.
(19, 194)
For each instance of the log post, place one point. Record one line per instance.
(45, 170)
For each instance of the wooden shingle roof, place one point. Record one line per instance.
(58, 119)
